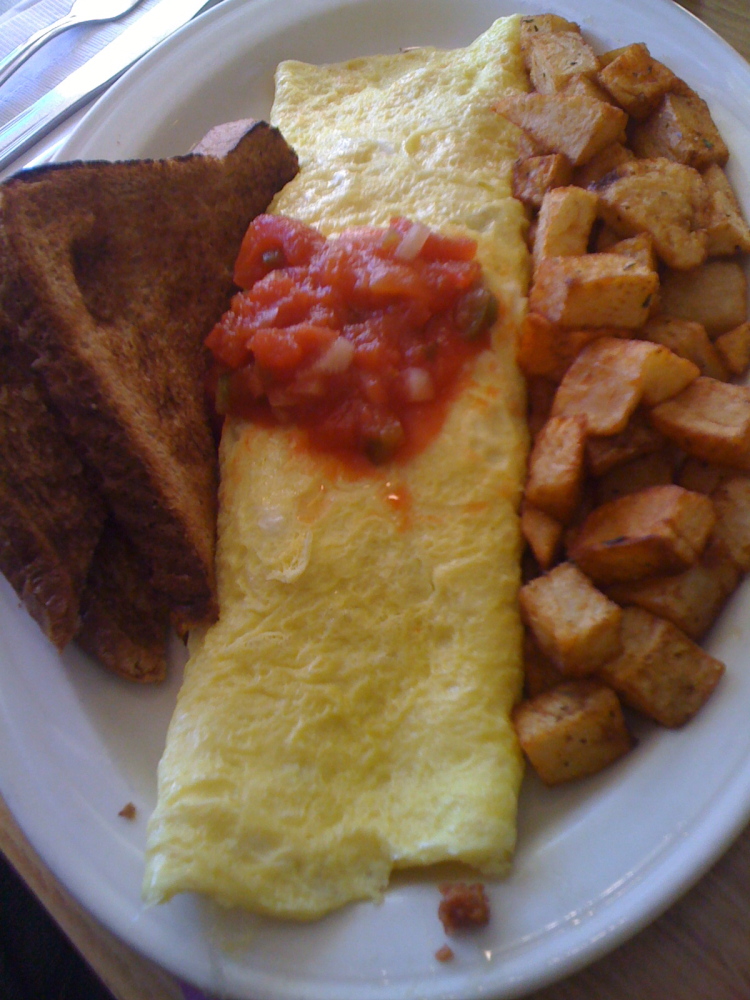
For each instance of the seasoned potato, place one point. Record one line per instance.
(556, 467)
(660, 672)
(575, 625)
(691, 600)
(640, 248)
(689, 340)
(728, 233)
(597, 289)
(683, 130)
(660, 197)
(602, 163)
(656, 469)
(578, 126)
(554, 57)
(661, 529)
(584, 86)
(734, 349)
(637, 439)
(714, 294)
(731, 499)
(635, 79)
(710, 420)
(611, 377)
(542, 533)
(702, 477)
(540, 24)
(572, 730)
(546, 349)
(540, 673)
(534, 176)
(565, 220)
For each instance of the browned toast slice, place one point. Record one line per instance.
(117, 273)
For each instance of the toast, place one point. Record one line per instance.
(111, 275)
(118, 271)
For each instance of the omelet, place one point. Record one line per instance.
(348, 714)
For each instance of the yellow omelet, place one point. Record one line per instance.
(349, 712)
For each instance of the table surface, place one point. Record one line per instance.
(698, 950)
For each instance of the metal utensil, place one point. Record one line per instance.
(82, 12)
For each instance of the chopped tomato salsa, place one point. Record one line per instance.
(355, 338)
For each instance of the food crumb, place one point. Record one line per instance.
(127, 811)
(444, 954)
(463, 906)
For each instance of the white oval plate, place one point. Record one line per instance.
(595, 861)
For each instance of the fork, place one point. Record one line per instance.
(82, 12)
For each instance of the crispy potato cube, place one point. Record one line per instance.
(575, 625)
(596, 289)
(637, 439)
(691, 600)
(541, 24)
(734, 349)
(571, 731)
(534, 176)
(689, 340)
(543, 535)
(584, 86)
(665, 199)
(661, 529)
(611, 377)
(731, 498)
(709, 420)
(565, 220)
(636, 80)
(540, 673)
(656, 469)
(602, 163)
(714, 294)
(554, 57)
(556, 467)
(640, 248)
(578, 126)
(728, 233)
(546, 349)
(683, 130)
(702, 477)
(661, 672)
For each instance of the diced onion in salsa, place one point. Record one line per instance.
(355, 337)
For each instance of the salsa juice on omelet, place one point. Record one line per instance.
(348, 714)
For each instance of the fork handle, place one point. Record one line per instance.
(26, 49)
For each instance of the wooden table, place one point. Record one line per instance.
(699, 950)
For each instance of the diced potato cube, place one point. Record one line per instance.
(575, 625)
(691, 600)
(689, 340)
(728, 233)
(603, 163)
(565, 220)
(714, 294)
(611, 377)
(710, 420)
(578, 126)
(554, 57)
(572, 731)
(640, 248)
(656, 469)
(665, 199)
(585, 86)
(731, 499)
(534, 176)
(556, 467)
(540, 673)
(700, 476)
(683, 130)
(543, 535)
(636, 80)
(661, 529)
(546, 349)
(596, 289)
(637, 439)
(661, 672)
(540, 24)
(734, 348)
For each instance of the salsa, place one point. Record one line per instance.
(359, 339)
